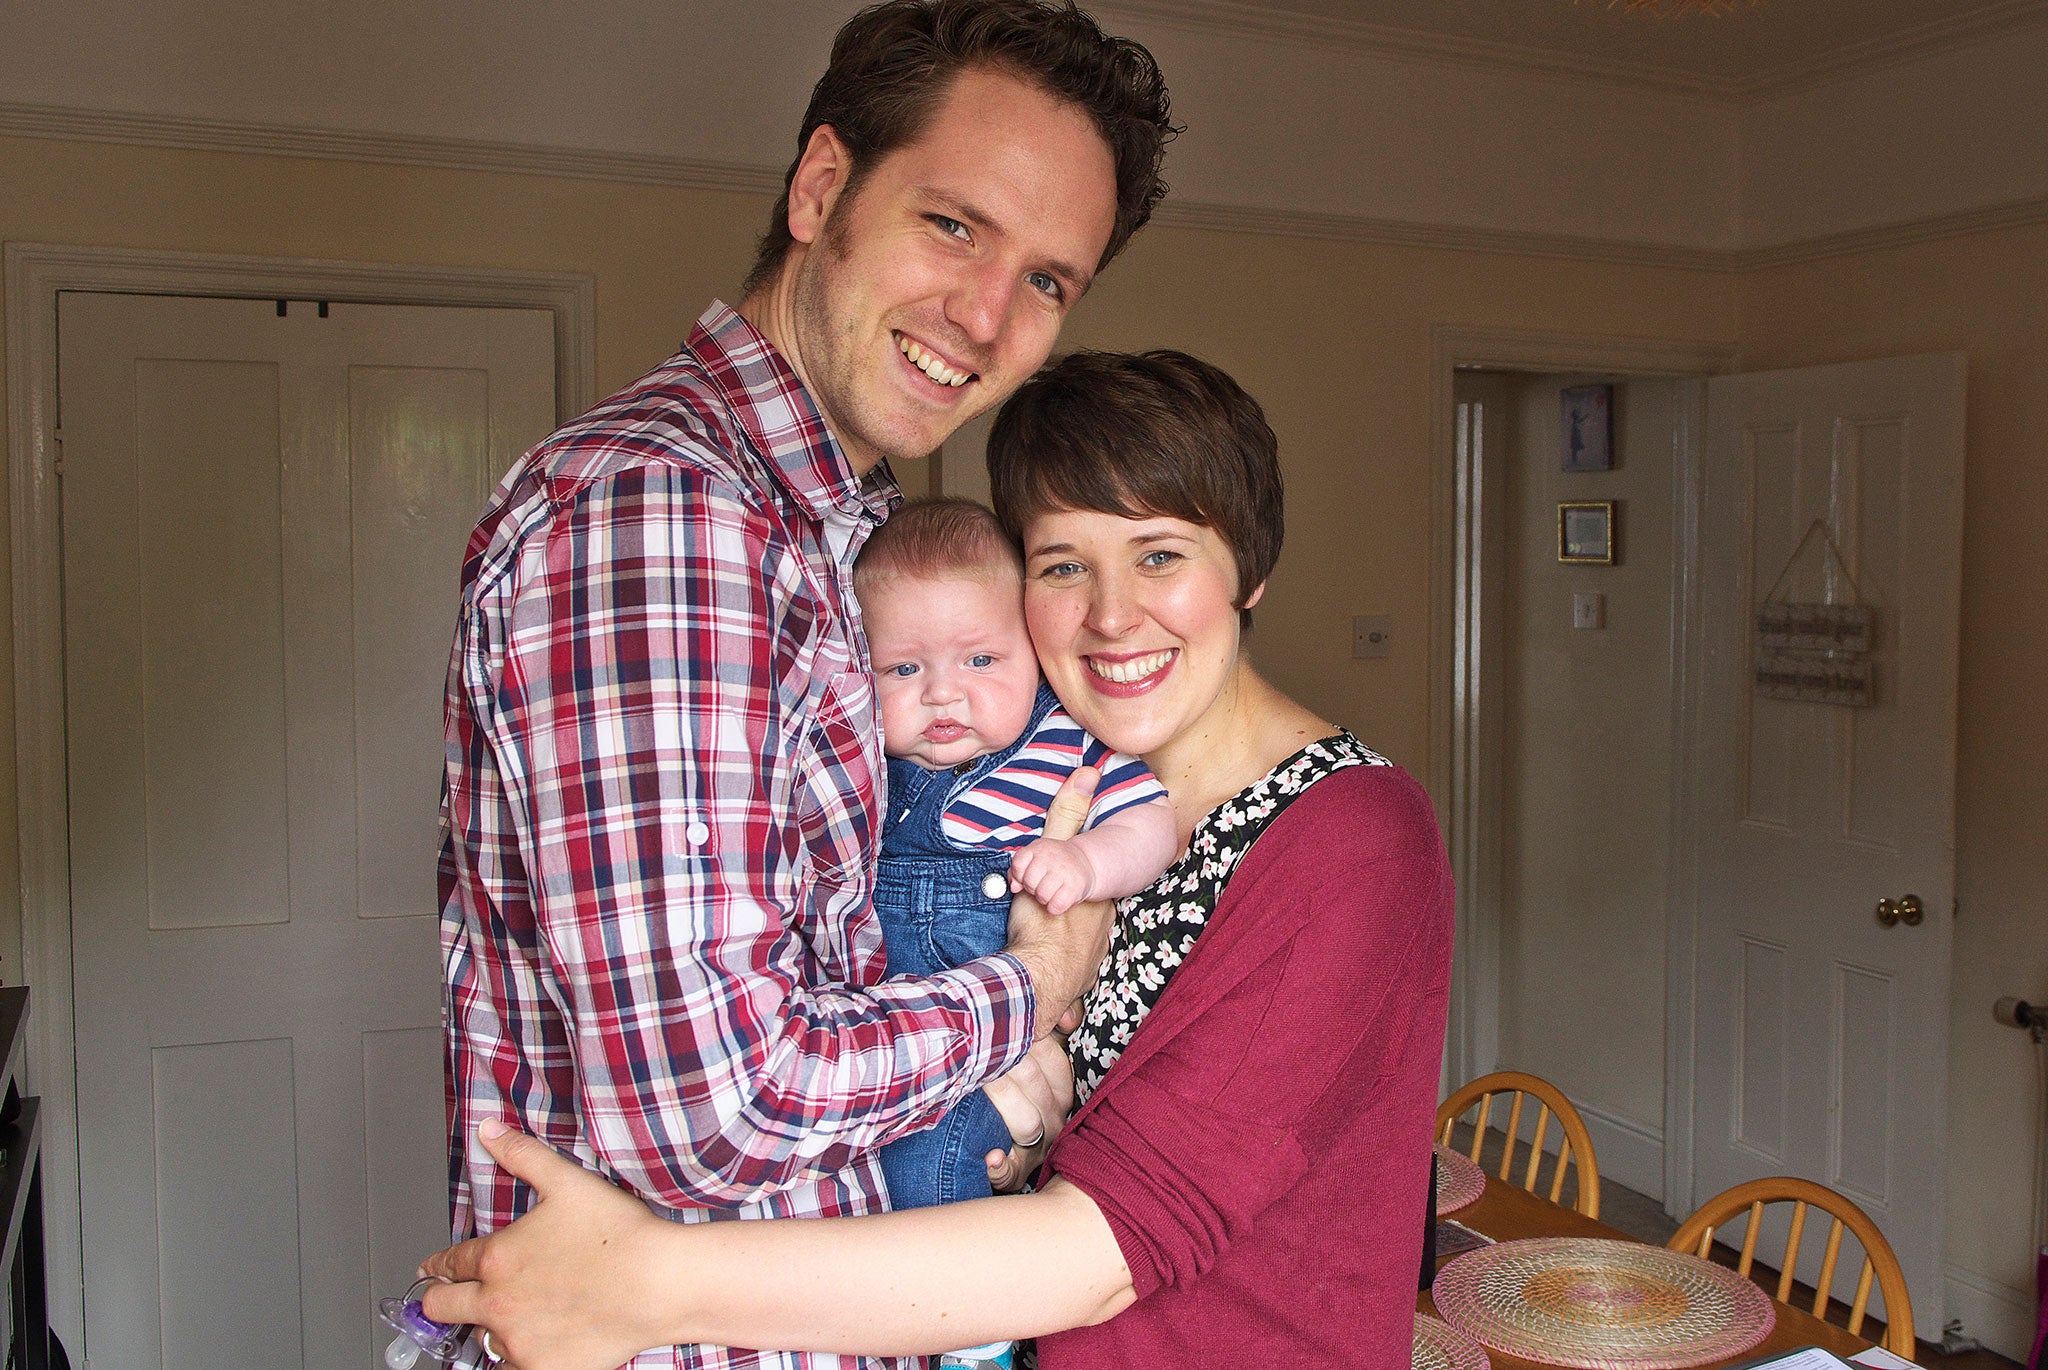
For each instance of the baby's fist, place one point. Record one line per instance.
(1057, 874)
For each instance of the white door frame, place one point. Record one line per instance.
(35, 273)
(1465, 777)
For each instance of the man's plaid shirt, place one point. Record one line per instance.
(663, 762)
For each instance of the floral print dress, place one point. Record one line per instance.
(1156, 928)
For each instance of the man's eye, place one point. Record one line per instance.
(1045, 285)
(981, 661)
(951, 227)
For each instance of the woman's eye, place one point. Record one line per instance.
(1158, 558)
(951, 227)
(981, 661)
(1060, 570)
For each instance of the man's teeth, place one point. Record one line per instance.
(931, 365)
(1132, 671)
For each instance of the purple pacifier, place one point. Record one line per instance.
(416, 1331)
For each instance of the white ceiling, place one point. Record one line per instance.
(1750, 48)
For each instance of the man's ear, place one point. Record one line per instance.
(821, 174)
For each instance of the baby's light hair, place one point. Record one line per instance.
(938, 539)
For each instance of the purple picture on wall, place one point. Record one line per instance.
(1587, 413)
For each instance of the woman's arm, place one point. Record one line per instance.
(590, 1278)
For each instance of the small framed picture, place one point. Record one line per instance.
(1585, 532)
(1587, 435)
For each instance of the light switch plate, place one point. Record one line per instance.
(1589, 611)
(1372, 635)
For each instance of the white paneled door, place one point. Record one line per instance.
(1822, 1026)
(264, 510)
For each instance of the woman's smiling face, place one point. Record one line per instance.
(1135, 621)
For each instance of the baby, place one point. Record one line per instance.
(977, 747)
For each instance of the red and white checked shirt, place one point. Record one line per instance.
(663, 761)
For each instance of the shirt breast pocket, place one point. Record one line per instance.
(836, 790)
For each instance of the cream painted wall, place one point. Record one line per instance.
(1587, 764)
(1335, 340)
(1950, 130)
(1985, 295)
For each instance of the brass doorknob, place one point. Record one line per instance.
(1893, 912)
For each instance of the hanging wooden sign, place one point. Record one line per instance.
(1816, 653)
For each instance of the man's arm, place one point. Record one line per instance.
(673, 727)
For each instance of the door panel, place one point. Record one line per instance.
(263, 520)
(1822, 1035)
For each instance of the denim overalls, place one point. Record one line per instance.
(941, 906)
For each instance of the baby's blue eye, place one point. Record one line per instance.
(902, 669)
(981, 661)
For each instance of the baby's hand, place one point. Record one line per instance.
(1057, 874)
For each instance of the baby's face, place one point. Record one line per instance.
(953, 665)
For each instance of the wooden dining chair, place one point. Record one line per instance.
(1696, 1235)
(1575, 1148)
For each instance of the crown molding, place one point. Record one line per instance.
(1283, 223)
(1236, 20)
(457, 154)
(1936, 35)
(1987, 219)
(208, 135)
(1246, 21)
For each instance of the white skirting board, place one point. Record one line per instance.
(1630, 1153)
(1999, 1316)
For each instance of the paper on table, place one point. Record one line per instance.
(1805, 1358)
(1877, 1358)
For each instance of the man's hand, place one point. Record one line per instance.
(1034, 1099)
(1061, 954)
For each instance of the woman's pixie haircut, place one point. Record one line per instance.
(1141, 435)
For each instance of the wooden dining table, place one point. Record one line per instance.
(1506, 1213)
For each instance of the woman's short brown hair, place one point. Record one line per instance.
(893, 63)
(1142, 435)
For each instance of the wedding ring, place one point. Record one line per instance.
(1024, 1145)
(491, 1352)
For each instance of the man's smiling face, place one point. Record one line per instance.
(933, 289)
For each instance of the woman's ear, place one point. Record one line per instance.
(1258, 593)
(821, 174)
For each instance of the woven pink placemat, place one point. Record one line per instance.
(1458, 1181)
(1440, 1346)
(1600, 1304)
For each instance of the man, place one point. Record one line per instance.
(663, 744)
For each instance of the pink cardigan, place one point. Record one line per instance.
(1261, 1150)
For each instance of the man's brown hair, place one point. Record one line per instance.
(1142, 435)
(893, 63)
(937, 539)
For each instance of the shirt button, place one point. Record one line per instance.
(696, 834)
(994, 885)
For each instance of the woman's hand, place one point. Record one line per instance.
(559, 1288)
(1034, 1099)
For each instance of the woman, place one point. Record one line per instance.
(1246, 1175)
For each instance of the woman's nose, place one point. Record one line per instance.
(1112, 611)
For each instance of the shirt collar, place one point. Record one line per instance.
(781, 422)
